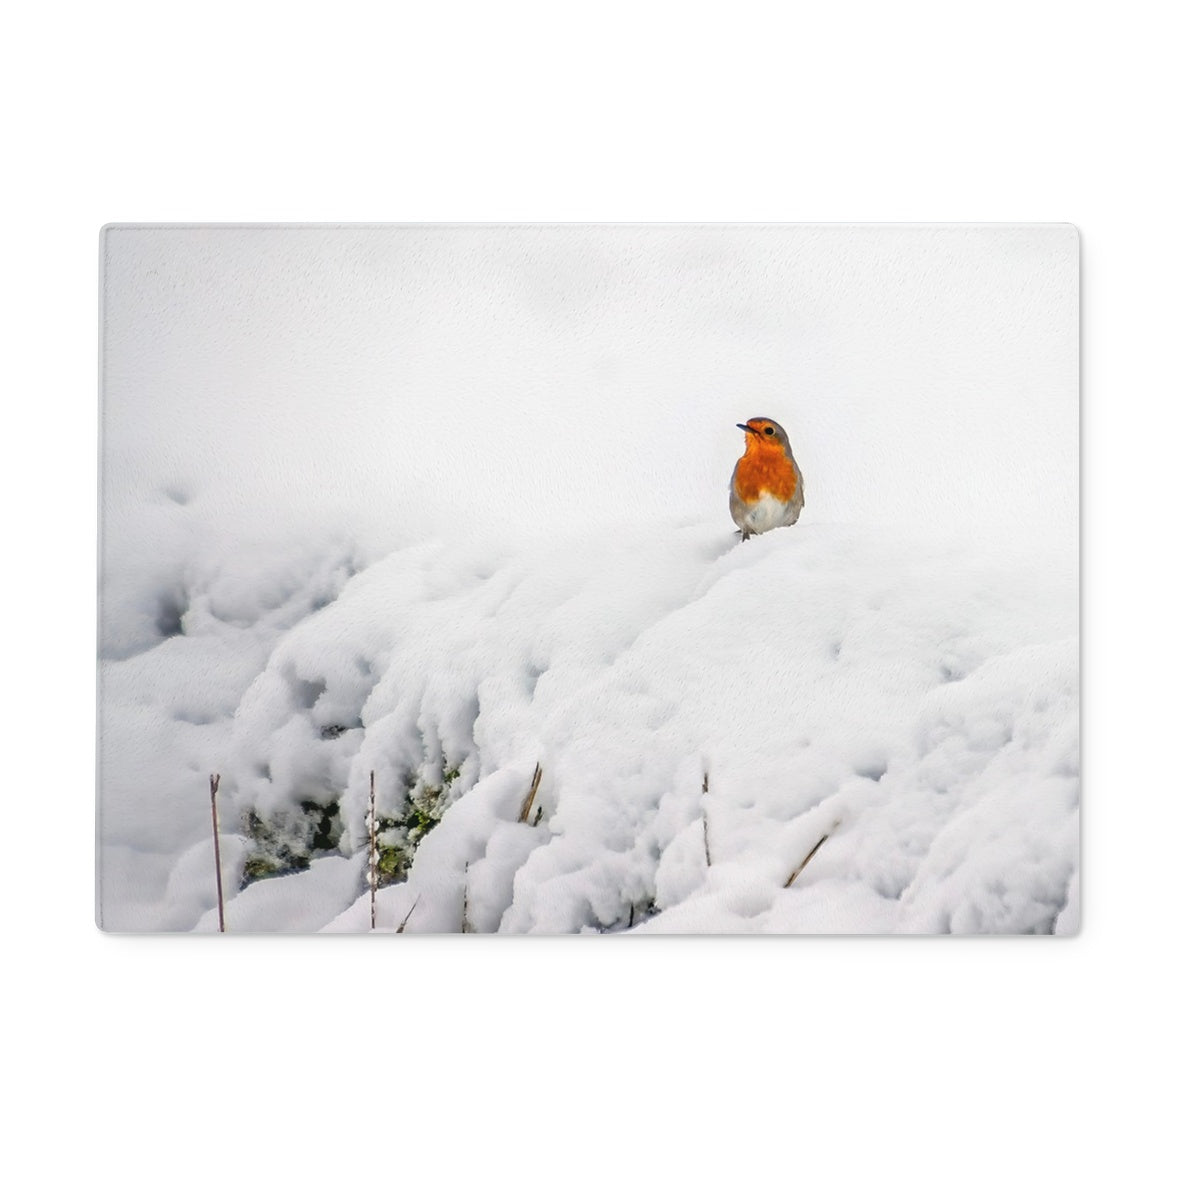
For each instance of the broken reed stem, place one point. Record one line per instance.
(371, 868)
(213, 783)
(704, 815)
(808, 857)
(533, 787)
(408, 914)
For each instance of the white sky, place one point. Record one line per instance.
(428, 379)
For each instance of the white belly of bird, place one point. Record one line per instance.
(767, 512)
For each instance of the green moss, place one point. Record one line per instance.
(391, 865)
(417, 810)
(420, 821)
(261, 867)
(287, 840)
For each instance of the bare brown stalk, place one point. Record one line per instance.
(704, 815)
(408, 914)
(213, 783)
(808, 857)
(533, 787)
(372, 871)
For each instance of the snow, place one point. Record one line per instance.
(915, 699)
(292, 903)
(392, 519)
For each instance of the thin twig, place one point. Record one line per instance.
(704, 816)
(409, 913)
(808, 857)
(533, 787)
(372, 870)
(466, 928)
(213, 783)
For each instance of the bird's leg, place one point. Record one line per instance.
(745, 535)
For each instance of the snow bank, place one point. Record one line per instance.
(445, 503)
(167, 693)
(704, 712)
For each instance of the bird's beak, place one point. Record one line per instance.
(746, 428)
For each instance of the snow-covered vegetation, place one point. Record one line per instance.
(867, 722)
(703, 712)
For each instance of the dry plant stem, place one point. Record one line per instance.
(213, 782)
(533, 787)
(371, 869)
(400, 928)
(466, 925)
(808, 857)
(704, 815)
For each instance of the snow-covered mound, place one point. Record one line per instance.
(704, 713)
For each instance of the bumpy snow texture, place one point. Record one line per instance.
(449, 505)
(704, 713)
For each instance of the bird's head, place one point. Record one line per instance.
(764, 435)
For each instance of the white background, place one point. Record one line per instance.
(152, 1066)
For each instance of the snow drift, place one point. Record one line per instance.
(443, 504)
(704, 714)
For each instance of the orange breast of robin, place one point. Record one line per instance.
(765, 469)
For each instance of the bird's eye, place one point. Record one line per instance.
(769, 431)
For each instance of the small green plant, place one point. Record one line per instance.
(287, 840)
(421, 805)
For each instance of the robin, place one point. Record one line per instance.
(767, 489)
